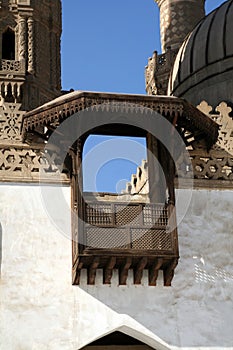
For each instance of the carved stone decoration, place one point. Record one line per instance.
(21, 163)
(30, 45)
(10, 123)
(11, 66)
(36, 65)
(158, 71)
(22, 38)
(216, 164)
(222, 117)
(150, 75)
(174, 25)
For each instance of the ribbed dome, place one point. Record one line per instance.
(203, 69)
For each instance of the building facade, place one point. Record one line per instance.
(150, 268)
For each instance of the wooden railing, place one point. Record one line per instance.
(121, 236)
(124, 226)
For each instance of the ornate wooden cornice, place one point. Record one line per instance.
(171, 108)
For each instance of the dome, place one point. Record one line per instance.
(203, 68)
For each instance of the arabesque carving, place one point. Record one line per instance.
(10, 123)
(221, 115)
(217, 163)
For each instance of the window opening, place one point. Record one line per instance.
(111, 164)
(8, 45)
(115, 230)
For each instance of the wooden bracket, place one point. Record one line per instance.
(139, 270)
(168, 272)
(123, 273)
(153, 272)
(76, 273)
(91, 273)
(109, 270)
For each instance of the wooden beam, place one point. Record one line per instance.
(153, 272)
(123, 272)
(76, 273)
(109, 270)
(54, 129)
(91, 273)
(139, 270)
(168, 272)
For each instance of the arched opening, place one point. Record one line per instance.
(8, 44)
(117, 341)
(118, 169)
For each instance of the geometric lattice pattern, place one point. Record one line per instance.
(98, 214)
(155, 215)
(128, 215)
(107, 238)
(213, 165)
(151, 239)
(135, 238)
(22, 162)
(122, 226)
(123, 214)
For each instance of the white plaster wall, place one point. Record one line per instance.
(40, 309)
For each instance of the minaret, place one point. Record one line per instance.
(177, 19)
(30, 33)
(30, 69)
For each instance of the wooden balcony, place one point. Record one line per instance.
(125, 236)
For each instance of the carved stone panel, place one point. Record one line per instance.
(10, 123)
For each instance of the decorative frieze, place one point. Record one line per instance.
(21, 163)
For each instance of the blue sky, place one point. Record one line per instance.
(106, 43)
(105, 47)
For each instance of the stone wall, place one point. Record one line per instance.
(40, 309)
